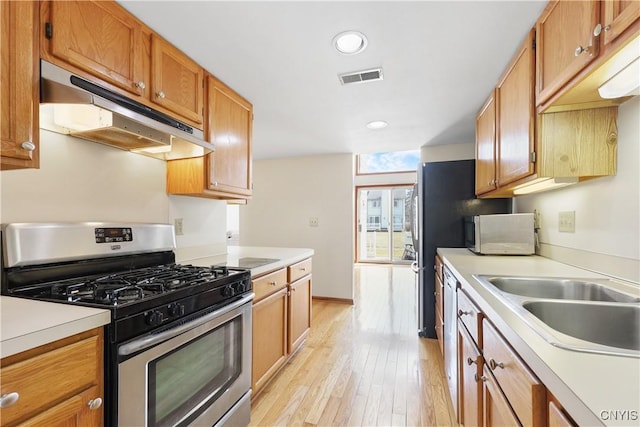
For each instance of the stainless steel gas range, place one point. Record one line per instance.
(178, 348)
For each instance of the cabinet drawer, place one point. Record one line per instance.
(526, 394)
(51, 376)
(299, 270)
(470, 316)
(270, 283)
(439, 292)
(439, 267)
(440, 330)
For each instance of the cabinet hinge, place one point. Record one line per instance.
(533, 157)
(48, 30)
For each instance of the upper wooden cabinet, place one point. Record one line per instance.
(19, 85)
(177, 82)
(617, 16)
(106, 44)
(225, 173)
(565, 43)
(486, 146)
(99, 38)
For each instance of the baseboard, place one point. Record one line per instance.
(614, 266)
(337, 300)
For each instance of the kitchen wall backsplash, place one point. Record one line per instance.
(82, 181)
(607, 211)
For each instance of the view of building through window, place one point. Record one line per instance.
(388, 162)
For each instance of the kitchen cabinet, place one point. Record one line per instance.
(505, 126)
(565, 43)
(469, 380)
(281, 319)
(177, 82)
(495, 408)
(19, 85)
(617, 16)
(557, 416)
(104, 43)
(439, 294)
(55, 384)
(227, 172)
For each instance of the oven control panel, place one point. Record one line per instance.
(113, 234)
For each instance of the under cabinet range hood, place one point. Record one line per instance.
(72, 105)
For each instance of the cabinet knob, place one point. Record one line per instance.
(293, 289)
(580, 50)
(272, 283)
(9, 399)
(479, 378)
(28, 145)
(303, 269)
(141, 85)
(463, 313)
(160, 95)
(470, 361)
(94, 404)
(493, 364)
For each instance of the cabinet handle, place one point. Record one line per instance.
(293, 289)
(303, 269)
(28, 145)
(479, 378)
(273, 283)
(160, 95)
(9, 399)
(493, 365)
(463, 313)
(94, 404)
(580, 50)
(470, 361)
(141, 85)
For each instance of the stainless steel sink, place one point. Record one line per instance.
(555, 288)
(614, 325)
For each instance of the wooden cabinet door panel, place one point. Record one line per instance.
(564, 27)
(299, 312)
(269, 338)
(618, 15)
(19, 87)
(177, 82)
(516, 116)
(496, 409)
(486, 147)
(100, 38)
(230, 121)
(470, 385)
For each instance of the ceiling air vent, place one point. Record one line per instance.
(361, 76)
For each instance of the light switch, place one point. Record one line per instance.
(567, 221)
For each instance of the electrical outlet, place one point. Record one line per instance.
(177, 223)
(567, 221)
(313, 222)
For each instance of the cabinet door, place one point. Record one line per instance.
(73, 412)
(299, 312)
(618, 15)
(496, 409)
(177, 82)
(99, 38)
(516, 116)
(269, 338)
(230, 120)
(486, 147)
(19, 90)
(565, 43)
(469, 383)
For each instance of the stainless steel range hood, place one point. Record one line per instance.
(72, 105)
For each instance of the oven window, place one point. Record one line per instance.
(197, 372)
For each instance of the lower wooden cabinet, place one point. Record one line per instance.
(496, 408)
(469, 380)
(55, 384)
(281, 319)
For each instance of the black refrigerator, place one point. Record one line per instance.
(442, 196)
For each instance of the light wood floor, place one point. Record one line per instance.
(362, 365)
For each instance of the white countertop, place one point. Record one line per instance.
(591, 387)
(284, 257)
(27, 323)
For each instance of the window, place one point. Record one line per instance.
(388, 162)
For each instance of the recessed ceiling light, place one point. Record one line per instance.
(350, 42)
(377, 124)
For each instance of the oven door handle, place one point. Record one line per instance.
(151, 340)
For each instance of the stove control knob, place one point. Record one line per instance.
(154, 318)
(228, 291)
(239, 287)
(176, 309)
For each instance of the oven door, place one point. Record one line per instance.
(190, 374)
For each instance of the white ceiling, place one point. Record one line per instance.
(440, 62)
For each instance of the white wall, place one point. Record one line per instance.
(84, 181)
(446, 152)
(286, 194)
(607, 209)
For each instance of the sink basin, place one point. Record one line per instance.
(562, 289)
(614, 325)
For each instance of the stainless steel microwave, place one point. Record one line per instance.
(502, 234)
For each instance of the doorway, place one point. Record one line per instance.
(384, 225)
